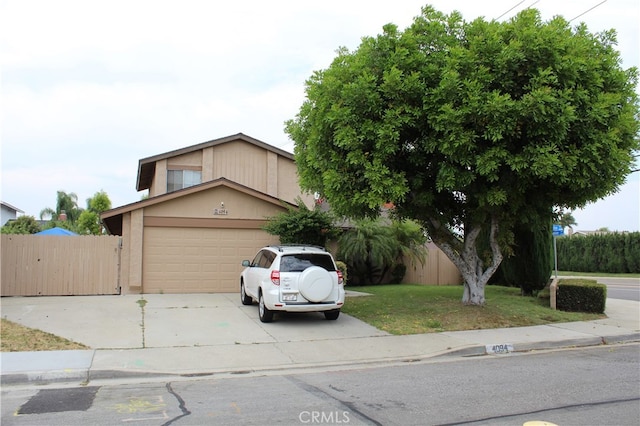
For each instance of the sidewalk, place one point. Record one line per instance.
(208, 334)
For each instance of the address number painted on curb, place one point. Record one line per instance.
(499, 349)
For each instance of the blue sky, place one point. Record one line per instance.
(89, 88)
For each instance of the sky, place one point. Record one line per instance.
(88, 88)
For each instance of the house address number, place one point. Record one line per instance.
(220, 212)
(504, 348)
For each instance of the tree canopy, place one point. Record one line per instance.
(22, 225)
(89, 220)
(466, 125)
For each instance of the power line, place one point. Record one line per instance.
(537, 1)
(588, 10)
(511, 9)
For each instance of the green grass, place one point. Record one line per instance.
(416, 309)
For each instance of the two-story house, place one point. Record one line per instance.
(206, 206)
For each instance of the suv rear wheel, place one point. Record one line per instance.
(265, 314)
(332, 315)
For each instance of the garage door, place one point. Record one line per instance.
(197, 260)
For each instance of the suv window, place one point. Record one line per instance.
(267, 259)
(300, 261)
(263, 259)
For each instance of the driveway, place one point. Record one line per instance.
(172, 320)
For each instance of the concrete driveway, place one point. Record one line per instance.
(172, 320)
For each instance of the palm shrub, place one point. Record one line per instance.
(375, 252)
(367, 249)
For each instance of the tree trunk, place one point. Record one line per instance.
(467, 260)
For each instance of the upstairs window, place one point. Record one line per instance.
(179, 179)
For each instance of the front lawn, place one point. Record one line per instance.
(415, 309)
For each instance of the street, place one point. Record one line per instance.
(589, 386)
(622, 288)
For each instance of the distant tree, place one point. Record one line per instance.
(566, 220)
(99, 203)
(21, 225)
(302, 225)
(466, 125)
(89, 220)
(65, 202)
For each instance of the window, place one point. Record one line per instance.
(300, 261)
(179, 179)
(263, 259)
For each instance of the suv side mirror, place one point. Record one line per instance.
(246, 263)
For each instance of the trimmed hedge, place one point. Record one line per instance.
(615, 253)
(581, 295)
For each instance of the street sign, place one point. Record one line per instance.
(558, 230)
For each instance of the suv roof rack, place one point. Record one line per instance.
(280, 247)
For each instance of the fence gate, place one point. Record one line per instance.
(39, 265)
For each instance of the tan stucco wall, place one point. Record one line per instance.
(207, 164)
(159, 183)
(203, 204)
(135, 238)
(192, 160)
(240, 162)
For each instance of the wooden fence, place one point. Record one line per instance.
(39, 265)
(35, 265)
(437, 270)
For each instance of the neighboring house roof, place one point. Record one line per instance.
(10, 207)
(112, 219)
(147, 166)
(56, 231)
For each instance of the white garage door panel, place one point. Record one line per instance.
(197, 260)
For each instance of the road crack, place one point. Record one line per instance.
(182, 406)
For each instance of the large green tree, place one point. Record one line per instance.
(466, 125)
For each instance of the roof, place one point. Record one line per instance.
(147, 166)
(56, 231)
(10, 207)
(112, 219)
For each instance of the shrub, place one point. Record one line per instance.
(302, 225)
(342, 267)
(580, 295)
(612, 253)
(398, 273)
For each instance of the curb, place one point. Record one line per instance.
(86, 375)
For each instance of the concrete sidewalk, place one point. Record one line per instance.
(206, 334)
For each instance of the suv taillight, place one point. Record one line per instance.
(275, 277)
(340, 281)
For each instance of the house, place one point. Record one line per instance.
(206, 206)
(8, 212)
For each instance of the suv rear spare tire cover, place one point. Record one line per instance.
(315, 284)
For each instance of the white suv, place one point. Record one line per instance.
(292, 279)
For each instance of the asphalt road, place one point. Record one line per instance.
(589, 386)
(620, 288)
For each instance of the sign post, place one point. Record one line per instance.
(557, 232)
